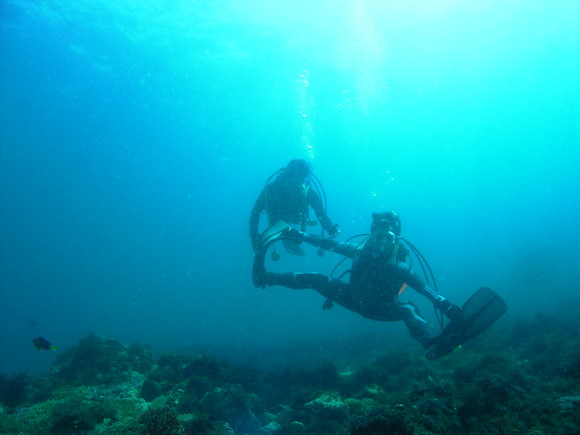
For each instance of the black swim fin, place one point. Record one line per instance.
(269, 236)
(273, 233)
(479, 312)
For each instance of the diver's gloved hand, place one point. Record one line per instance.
(333, 231)
(293, 234)
(450, 310)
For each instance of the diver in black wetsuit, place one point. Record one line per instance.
(378, 276)
(288, 198)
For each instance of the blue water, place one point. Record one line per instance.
(136, 135)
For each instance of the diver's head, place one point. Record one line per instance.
(298, 170)
(385, 232)
(387, 222)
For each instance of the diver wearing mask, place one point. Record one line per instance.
(378, 276)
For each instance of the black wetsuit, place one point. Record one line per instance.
(286, 200)
(373, 289)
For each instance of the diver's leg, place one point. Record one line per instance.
(418, 327)
(258, 269)
(297, 281)
(334, 290)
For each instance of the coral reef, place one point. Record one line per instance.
(523, 379)
(100, 360)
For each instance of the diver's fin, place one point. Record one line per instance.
(269, 236)
(272, 233)
(479, 312)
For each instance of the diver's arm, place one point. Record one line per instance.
(316, 204)
(451, 310)
(346, 249)
(255, 218)
(417, 284)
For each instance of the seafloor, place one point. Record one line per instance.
(520, 377)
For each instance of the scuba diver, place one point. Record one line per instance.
(378, 276)
(286, 198)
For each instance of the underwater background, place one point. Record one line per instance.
(135, 137)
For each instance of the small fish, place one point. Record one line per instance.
(41, 343)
